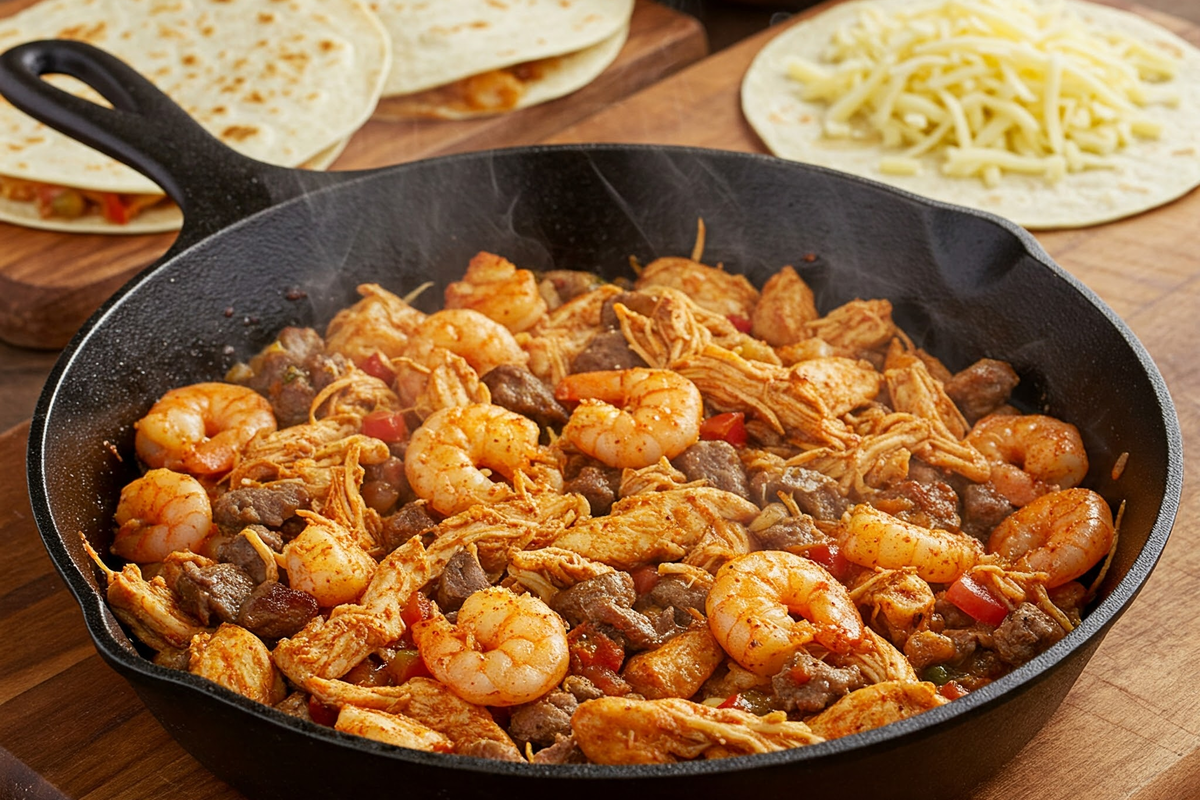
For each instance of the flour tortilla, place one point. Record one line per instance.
(554, 77)
(437, 43)
(157, 219)
(1148, 173)
(280, 82)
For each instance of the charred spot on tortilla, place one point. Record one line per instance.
(237, 133)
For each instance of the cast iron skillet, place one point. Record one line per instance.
(264, 247)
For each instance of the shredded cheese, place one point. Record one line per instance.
(990, 86)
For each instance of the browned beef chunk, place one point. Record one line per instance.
(240, 552)
(582, 688)
(982, 388)
(563, 751)
(793, 533)
(607, 602)
(926, 648)
(384, 485)
(173, 658)
(519, 390)
(411, 520)
(951, 616)
(1025, 633)
(462, 577)
(273, 611)
(716, 462)
(606, 350)
(815, 494)
(543, 721)
(269, 506)
(488, 748)
(677, 594)
(214, 592)
(597, 483)
(567, 284)
(983, 509)
(638, 302)
(295, 705)
(291, 375)
(807, 685)
(928, 504)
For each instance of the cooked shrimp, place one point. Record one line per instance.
(619, 730)
(201, 428)
(450, 458)
(495, 287)
(633, 417)
(753, 598)
(726, 293)
(159, 513)
(504, 649)
(1063, 534)
(1031, 454)
(872, 538)
(325, 561)
(483, 342)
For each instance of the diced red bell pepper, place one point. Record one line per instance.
(388, 426)
(644, 579)
(753, 701)
(418, 609)
(375, 366)
(829, 556)
(589, 647)
(952, 690)
(729, 427)
(114, 209)
(741, 323)
(975, 599)
(321, 713)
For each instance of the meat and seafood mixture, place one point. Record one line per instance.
(565, 520)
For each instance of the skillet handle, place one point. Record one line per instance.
(213, 184)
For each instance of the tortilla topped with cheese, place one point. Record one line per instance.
(284, 83)
(1052, 114)
(455, 59)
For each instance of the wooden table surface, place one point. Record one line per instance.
(1130, 728)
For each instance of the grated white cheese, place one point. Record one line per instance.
(992, 86)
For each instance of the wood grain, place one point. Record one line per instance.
(51, 282)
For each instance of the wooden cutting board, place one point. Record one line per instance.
(51, 282)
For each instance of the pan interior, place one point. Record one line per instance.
(963, 285)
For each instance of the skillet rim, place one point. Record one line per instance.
(1089, 633)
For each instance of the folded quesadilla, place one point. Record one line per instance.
(285, 83)
(456, 59)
